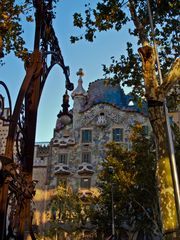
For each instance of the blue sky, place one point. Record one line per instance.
(89, 56)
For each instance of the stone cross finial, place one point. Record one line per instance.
(80, 73)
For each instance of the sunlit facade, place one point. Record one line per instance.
(74, 155)
(100, 115)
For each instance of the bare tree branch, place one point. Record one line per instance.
(137, 23)
(156, 229)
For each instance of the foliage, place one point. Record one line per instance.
(114, 14)
(13, 14)
(69, 212)
(173, 98)
(11, 28)
(134, 186)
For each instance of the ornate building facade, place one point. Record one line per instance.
(102, 114)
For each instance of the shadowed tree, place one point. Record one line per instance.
(69, 212)
(133, 182)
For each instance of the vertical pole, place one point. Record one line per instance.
(173, 167)
(112, 205)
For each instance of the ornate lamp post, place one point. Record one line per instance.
(12, 183)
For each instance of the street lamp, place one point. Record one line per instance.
(111, 171)
(37, 69)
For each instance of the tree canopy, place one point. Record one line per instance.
(133, 182)
(11, 26)
(13, 14)
(70, 213)
(116, 14)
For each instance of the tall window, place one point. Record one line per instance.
(62, 158)
(118, 135)
(86, 157)
(86, 136)
(85, 182)
(145, 130)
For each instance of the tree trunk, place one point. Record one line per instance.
(164, 175)
(155, 98)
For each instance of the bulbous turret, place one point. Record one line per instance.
(64, 116)
(79, 91)
(79, 95)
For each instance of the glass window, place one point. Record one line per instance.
(171, 120)
(145, 130)
(86, 157)
(85, 182)
(118, 134)
(131, 103)
(62, 158)
(86, 135)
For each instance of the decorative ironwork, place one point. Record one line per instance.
(2, 103)
(50, 46)
(20, 136)
(20, 191)
(65, 117)
(16, 185)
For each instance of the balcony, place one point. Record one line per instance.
(55, 142)
(85, 169)
(101, 121)
(62, 169)
(63, 141)
(71, 141)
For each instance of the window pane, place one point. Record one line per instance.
(62, 158)
(85, 182)
(118, 134)
(86, 136)
(86, 157)
(145, 130)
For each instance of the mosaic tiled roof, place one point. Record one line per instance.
(100, 92)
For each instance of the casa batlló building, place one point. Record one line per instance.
(74, 155)
(102, 114)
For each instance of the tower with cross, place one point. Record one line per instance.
(79, 96)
